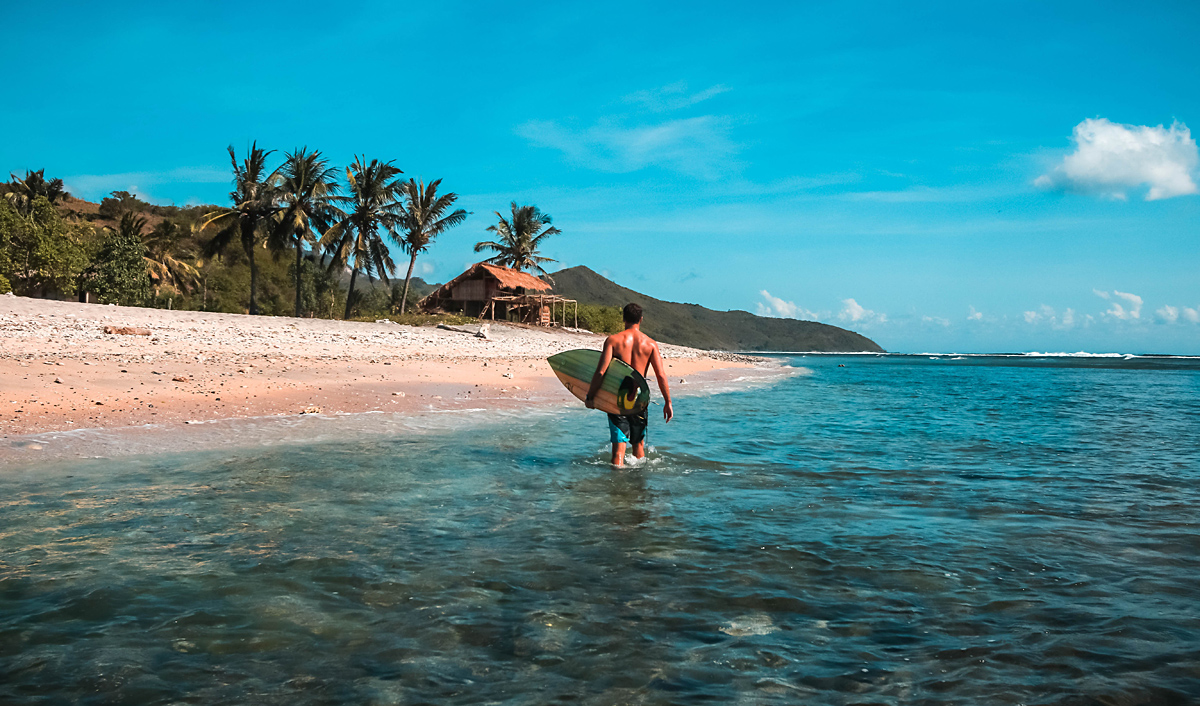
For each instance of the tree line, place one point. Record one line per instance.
(304, 213)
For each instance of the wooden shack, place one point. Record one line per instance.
(490, 291)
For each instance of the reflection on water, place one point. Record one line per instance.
(888, 532)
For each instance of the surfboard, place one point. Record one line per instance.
(623, 392)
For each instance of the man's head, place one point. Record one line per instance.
(632, 313)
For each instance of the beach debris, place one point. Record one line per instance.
(179, 378)
(483, 332)
(58, 380)
(508, 375)
(127, 331)
(311, 409)
(682, 381)
(397, 394)
(98, 402)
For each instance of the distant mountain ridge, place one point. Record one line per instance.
(698, 327)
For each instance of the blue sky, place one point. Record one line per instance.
(939, 176)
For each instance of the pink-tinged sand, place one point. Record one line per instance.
(59, 371)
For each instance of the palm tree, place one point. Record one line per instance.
(373, 203)
(308, 196)
(518, 239)
(424, 221)
(160, 256)
(23, 192)
(254, 198)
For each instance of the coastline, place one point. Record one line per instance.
(67, 380)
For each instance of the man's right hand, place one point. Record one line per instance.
(590, 402)
(668, 412)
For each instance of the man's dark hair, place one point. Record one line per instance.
(632, 313)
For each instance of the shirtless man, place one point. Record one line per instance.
(639, 351)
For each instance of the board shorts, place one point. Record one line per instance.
(627, 430)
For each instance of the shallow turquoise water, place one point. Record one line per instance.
(900, 530)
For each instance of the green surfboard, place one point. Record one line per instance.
(623, 392)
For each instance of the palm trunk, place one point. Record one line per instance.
(299, 308)
(404, 299)
(350, 292)
(253, 282)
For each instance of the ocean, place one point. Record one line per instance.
(869, 530)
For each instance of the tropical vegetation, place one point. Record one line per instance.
(373, 204)
(329, 238)
(518, 239)
(425, 218)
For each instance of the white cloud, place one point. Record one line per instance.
(974, 315)
(780, 308)
(1047, 315)
(425, 268)
(1110, 158)
(940, 321)
(1169, 313)
(1117, 310)
(673, 96)
(854, 312)
(699, 147)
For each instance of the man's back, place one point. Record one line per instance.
(634, 348)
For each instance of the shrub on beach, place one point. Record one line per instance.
(601, 319)
(120, 267)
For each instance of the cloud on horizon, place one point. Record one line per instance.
(854, 312)
(778, 308)
(1110, 158)
(1116, 309)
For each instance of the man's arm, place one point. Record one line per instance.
(661, 375)
(606, 357)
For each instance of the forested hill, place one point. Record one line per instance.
(696, 326)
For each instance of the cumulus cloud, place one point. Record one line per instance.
(974, 315)
(776, 307)
(1047, 315)
(425, 268)
(673, 96)
(698, 147)
(1110, 158)
(1131, 309)
(940, 321)
(854, 312)
(1172, 314)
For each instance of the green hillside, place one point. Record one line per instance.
(696, 326)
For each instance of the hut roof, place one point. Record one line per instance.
(509, 279)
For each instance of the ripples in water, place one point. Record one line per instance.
(881, 533)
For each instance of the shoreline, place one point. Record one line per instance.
(66, 378)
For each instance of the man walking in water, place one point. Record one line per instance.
(639, 352)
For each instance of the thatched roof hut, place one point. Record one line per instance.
(490, 289)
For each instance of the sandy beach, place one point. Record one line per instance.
(62, 371)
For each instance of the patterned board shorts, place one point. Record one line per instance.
(627, 430)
